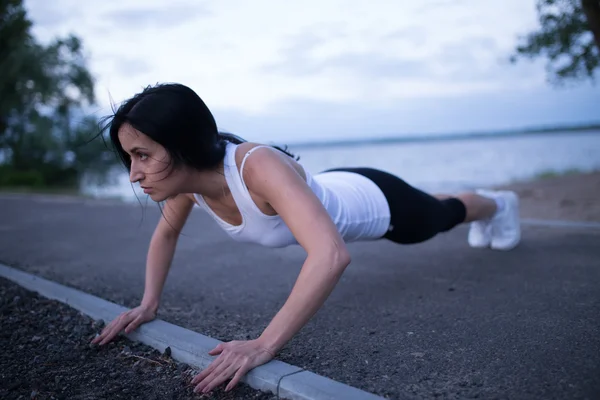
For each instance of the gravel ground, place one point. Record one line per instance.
(47, 355)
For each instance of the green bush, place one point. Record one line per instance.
(12, 178)
(46, 89)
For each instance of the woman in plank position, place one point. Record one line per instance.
(169, 142)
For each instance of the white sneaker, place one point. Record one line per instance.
(480, 232)
(506, 225)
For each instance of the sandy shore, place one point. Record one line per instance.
(573, 197)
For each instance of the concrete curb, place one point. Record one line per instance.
(284, 380)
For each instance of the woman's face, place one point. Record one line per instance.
(150, 164)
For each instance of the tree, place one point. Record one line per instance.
(569, 37)
(44, 90)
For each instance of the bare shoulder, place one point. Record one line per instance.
(244, 148)
(268, 170)
(264, 159)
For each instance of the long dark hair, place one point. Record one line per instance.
(174, 116)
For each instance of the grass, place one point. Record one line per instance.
(549, 174)
(54, 191)
(42, 190)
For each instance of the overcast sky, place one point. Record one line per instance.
(324, 69)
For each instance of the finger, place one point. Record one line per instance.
(207, 371)
(103, 332)
(220, 376)
(114, 324)
(212, 366)
(97, 338)
(217, 350)
(237, 377)
(133, 325)
(110, 333)
(116, 328)
(109, 336)
(208, 378)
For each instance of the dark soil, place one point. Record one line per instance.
(46, 354)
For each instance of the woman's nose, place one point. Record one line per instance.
(135, 175)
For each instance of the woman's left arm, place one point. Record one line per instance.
(270, 176)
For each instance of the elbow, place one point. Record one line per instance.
(339, 256)
(343, 258)
(335, 255)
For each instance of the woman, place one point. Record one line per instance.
(168, 140)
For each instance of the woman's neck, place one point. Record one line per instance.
(211, 184)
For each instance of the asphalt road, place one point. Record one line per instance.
(438, 319)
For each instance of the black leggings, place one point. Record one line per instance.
(415, 215)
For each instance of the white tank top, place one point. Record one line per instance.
(356, 205)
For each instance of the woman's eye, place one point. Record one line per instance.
(142, 156)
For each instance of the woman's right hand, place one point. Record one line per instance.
(128, 321)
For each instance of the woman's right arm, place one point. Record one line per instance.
(162, 248)
(158, 262)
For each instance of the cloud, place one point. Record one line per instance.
(394, 69)
(157, 16)
(340, 66)
(47, 15)
(475, 58)
(301, 56)
(373, 65)
(434, 6)
(127, 66)
(302, 120)
(409, 36)
(482, 59)
(296, 57)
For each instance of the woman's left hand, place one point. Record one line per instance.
(235, 359)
